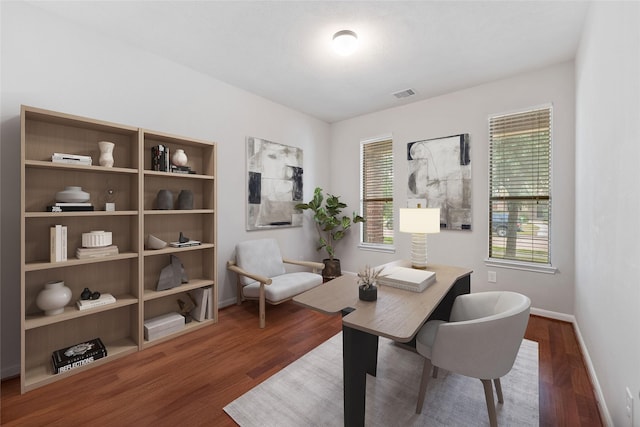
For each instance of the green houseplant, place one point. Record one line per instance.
(331, 225)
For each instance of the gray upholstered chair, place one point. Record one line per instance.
(481, 340)
(262, 275)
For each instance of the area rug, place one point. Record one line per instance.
(308, 392)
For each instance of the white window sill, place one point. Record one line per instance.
(377, 248)
(518, 265)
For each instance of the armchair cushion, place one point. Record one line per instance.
(284, 286)
(260, 257)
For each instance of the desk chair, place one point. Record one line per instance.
(481, 340)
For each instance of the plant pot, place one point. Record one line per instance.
(331, 269)
(369, 294)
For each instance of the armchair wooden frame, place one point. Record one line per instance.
(266, 281)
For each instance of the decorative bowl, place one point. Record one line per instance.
(72, 194)
(96, 239)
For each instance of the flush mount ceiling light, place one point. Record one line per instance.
(345, 42)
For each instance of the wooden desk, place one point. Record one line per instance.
(397, 314)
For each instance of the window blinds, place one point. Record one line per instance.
(377, 191)
(519, 180)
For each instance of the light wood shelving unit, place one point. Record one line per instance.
(132, 275)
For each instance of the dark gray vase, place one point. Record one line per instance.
(370, 294)
(185, 199)
(164, 200)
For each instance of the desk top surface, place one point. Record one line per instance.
(396, 314)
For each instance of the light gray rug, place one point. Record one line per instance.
(309, 393)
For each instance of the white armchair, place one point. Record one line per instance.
(481, 340)
(262, 275)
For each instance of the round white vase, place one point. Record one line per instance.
(53, 298)
(72, 194)
(179, 158)
(106, 153)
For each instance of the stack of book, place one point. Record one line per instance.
(71, 158)
(409, 279)
(77, 355)
(204, 304)
(105, 299)
(182, 169)
(86, 253)
(58, 243)
(184, 244)
(70, 207)
(160, 158)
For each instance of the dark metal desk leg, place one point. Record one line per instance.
(359, 356)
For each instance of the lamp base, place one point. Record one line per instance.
(419, 251)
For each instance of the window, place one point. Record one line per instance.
(519, 185)
(377, 192)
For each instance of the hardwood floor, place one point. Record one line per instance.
(188, 380)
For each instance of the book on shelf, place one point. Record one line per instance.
(163, 325)
(58, 243)
(182, 169)
(185, 244)
(209, 292)
(105, 299)
(200, 310)
(77, 355)
(71, 158)
(85, 253)
(56, 208)
(409, 279)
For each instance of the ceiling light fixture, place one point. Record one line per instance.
(345, 42)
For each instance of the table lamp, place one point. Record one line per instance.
(419, 222)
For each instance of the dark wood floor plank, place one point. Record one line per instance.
(188, 380)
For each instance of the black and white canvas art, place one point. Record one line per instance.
(274, 184)
(440, 175)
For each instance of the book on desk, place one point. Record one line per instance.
(409, 279)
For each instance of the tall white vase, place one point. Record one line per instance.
(53, 298)
(106, 153)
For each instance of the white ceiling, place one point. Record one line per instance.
(281, 49)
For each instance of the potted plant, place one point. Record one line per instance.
(367, 291)
(331, 226)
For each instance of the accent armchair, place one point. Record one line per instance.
(262, 276)
(481, 340)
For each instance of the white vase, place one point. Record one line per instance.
(106, 153)
(72, 194)
(179, 158)
(53, 298)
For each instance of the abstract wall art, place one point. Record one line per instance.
(440, 173)
(274, 185)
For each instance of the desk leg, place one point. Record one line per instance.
(359, 357)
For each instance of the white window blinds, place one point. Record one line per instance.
(377, 192)
(520, 191)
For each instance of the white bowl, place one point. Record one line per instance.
(96, 239)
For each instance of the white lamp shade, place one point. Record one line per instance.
(345, 42)
(417, 220)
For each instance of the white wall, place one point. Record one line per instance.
(608, 200)
(467, 111)
(49, 63)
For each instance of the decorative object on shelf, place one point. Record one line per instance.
(109, 199)
(160, 158)
(179, 158)
(183, 238)
(87, 294)
(184, 241)
(172, 275)
(367, 289)
(331, 226)
(419, 222)
(274, 184)
(96, 239)
(155, 243)
(72, 194)
(187, 307)
(163, 325)
(185, 199)
(164, 200)
(440, 175)
(106, 153)
(53, 298)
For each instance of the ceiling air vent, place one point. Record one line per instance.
(404, 93)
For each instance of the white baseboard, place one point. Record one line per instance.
(604, 411)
